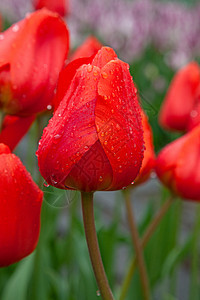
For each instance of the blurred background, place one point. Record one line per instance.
(156, 38)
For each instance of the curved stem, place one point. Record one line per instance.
(93, 247)
(137, 246)
(148, 233)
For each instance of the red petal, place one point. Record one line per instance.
(14, 128)
(180, 98)
(103, 56)
(4, 149)
(66, 76)
(187, 171)
(118, 123)
(20, 205)
(92, 172)
(89, 48)
(72, 131)
(36, 49)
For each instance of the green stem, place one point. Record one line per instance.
(137, 247)
(2, 115)
(150, 230)
(93, 247)
(194, 284)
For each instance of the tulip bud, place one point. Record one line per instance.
(148, 162)
(20, 205)
(180, 98)
(178, 165)
(32, 53)
(94, 140)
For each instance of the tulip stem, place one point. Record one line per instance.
(137, 246)
(194, 283)
(148, 233)
(2, 115)
(93, 247)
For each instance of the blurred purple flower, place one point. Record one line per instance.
(130, 26)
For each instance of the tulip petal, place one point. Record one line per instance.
(103, 56)
(180, 98)
(36, 49)
(66, 76)
(187, 172)
(20, 205)
(72, 128)
(118, 123)
(14, 128)
(92, 172)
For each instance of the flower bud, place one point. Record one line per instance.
(94, 140)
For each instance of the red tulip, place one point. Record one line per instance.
(89, 47)
(94, 140)
(32, 53)
(59, 6)
(14, 128)
(20, 205)
(180, 99)
(178, 165)
(148, 162)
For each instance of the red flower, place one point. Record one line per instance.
(20, 205)
(89, 47)
(148, 162)
(14, 128)
(180, 99)
(59, 6)
(94, 140)
(32, 53)
(178, 165)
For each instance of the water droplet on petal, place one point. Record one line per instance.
(89, 68)
(46, 184)
(104, 75)
(49, 107)
(100, 178)
(57, 136)
(193, 113)
(15, 28)
(1, 36)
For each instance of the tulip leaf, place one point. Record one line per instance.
(17, 286)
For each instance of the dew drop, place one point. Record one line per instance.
(15, 28)
(113, 94)
(95, 73)
(132, 182)
(89, 68)
(100, 178)
(46, 184)
(102, 134)
(106, 142)
(104, 75)
(98, 293)
(57, 136)
(112, 111)
(193, 113)
(1, 37)
(49, 107)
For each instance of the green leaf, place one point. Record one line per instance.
(17, 285)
